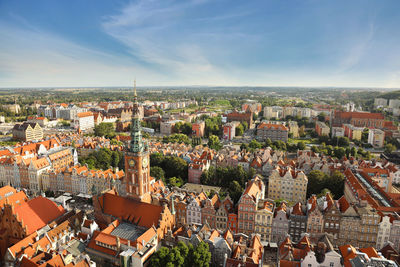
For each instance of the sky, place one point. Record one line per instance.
(85, 43)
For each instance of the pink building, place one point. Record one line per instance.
(198, 129)
(196, 169)
(229, 131)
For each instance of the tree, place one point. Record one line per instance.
(301, 146)
(316, 182)
(160, 257)
(201, 256)
(176, 138)
(214, 143)
(105, 129)
(156, 159)
(389, 148)
(335, 184)
(321, 116)
(175, 166)
(254, 144)
(339, 152)
(157, 172)
(239, 131)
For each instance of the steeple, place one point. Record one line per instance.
(137, 144)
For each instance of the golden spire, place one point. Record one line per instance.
(134, 87)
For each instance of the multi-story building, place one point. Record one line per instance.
(376, 137)
(332, 217)
(358, 119)
(288, 184)
(229, 131)
(263, 222)
(27, 131)
(384, 229)
(280, 224)
(322, 129)
(241, 117)
(352, 132)
(394, 103)
(297, 222)
(272, 131)
(394, 236)
(293, 129)
(167, 127)
(252, 107)
(273, 112)
(222, 214)
(196, 169)
(315, 219)
(337, 132)
(84, 121)
(248, 203)
(198, 129)
(380, 102)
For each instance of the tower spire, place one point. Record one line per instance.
(134, 88)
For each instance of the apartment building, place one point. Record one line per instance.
(322, 129)
(272, 131)
(376, 137)
(84, 121)
(27, 131)
(287, 183)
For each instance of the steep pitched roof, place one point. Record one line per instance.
(143, 214)
(38, 212)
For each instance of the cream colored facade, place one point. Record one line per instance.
(293, 128)
(288, 184)
(264, 216)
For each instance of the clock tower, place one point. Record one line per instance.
(137, 169)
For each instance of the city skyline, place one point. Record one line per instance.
(199, 42)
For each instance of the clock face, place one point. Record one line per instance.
(144, 162)
(131, 163)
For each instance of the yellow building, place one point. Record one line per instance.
(288, 184)
(27, 131)
(264, 216)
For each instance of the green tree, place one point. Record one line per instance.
(301, 145)
(335, 184)
(201, 255)
(389, 148)
(254, 144)
(175, 181)
(157, 173)
(160, 258)
(156, 159)
(339, 152)
(105, 129)
(214, 143)
(175, 166)
(239, 131)
(316, 182)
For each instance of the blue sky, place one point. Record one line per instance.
(200, 42)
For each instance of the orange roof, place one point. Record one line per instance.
(143, 214)
(348, 252)
(272, 125)
(15, 199)
(38, 212)
(297, 210)
(84, 114)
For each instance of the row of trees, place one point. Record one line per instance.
(340, 152)
(182, 255)
(176, 138)
(276, 145)
(103, 159)
(319, 181)
(171, 170)
(232, 179)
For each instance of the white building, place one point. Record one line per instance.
(193, 211)
(394, 103)
(84, 121)
(383, 232)
(376, 137)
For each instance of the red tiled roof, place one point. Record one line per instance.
(38, 212)
(143, 214)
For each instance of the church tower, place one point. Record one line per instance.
(137, 169)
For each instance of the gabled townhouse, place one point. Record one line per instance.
(209, 209)
(280, 224)
(248, 203)
(315, 219)
(297, 221)
(264, 216)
